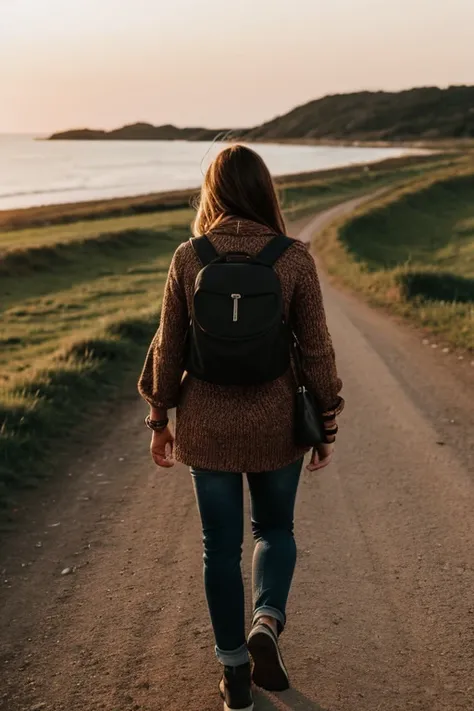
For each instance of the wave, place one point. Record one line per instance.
(73, 189)
(45, 191)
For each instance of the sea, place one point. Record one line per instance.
(35, 172)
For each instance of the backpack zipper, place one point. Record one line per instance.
(236, 298)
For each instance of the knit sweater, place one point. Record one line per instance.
(239, 428)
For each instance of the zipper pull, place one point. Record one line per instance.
(236, 298)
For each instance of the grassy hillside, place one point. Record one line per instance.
(413, 251)
(140, 132)
(425, 113)
(74, 325)
(306, 195)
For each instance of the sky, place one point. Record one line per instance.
(216, 63)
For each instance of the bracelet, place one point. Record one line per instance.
(156, 425)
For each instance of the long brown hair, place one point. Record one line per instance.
(238, 184)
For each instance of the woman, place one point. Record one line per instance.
(224, 430)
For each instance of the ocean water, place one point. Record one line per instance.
(38, 172)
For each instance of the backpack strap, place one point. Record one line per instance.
(205, 250)
(274, 249)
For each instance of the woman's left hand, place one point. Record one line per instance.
(321, 457)
(162, 448)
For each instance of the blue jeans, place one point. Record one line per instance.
(219, 497)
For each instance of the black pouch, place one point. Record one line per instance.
(309, 428)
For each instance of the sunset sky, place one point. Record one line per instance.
(103, 63)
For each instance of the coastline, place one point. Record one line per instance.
(67, 172)
(66, 212)
(453, 144)
(403, 144)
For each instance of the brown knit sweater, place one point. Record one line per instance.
(237, 428)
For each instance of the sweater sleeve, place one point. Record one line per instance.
(160, 381)
(310, 327)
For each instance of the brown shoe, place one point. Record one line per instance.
(269, 671)
(236, 688)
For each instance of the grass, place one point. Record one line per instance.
(308, 196)
(413, 252)
(73, 326)
(48, 215)
(36, 237)
(43, 410)
(79, 302)
(39, 320)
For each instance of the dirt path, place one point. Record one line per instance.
(382, 612)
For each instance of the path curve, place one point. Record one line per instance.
(381, 617)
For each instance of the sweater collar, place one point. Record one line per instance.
(234, 226)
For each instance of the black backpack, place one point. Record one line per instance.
(238, 334)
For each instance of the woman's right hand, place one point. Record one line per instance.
(321, 457)
(162, 448)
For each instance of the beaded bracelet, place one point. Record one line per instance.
(156, 425)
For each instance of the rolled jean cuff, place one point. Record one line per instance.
(267, 611)
(234, 658)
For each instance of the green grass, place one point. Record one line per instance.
(48, 215)
(40, 237)
(38, 325)
(77, 316)
(413, 251)
(79, 302)
(315, 194)
(46, 409)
